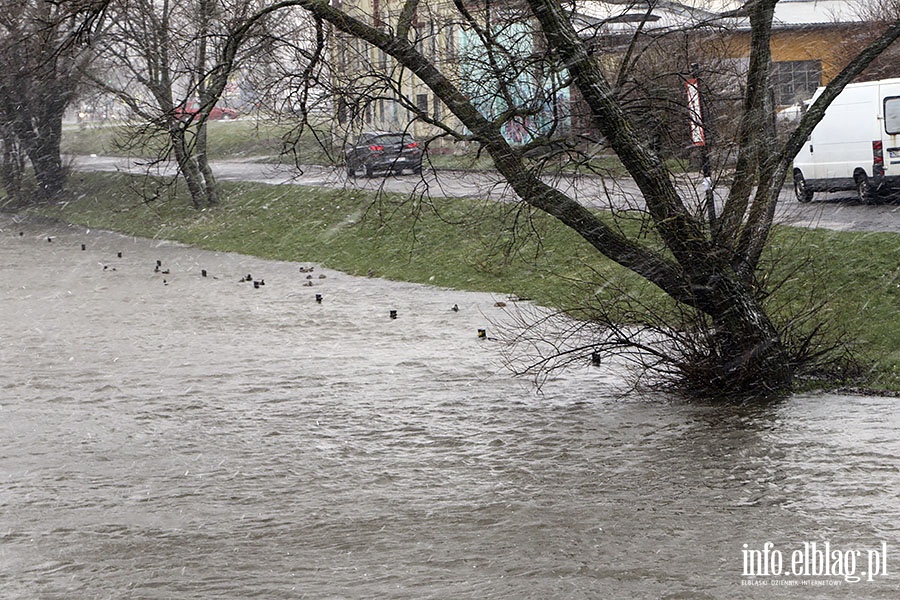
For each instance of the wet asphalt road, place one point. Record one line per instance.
(839, 211)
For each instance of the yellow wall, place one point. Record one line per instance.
(819, 43)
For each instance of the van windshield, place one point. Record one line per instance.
(892, 115)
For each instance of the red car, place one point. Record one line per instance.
(218, 113)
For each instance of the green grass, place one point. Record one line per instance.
(855, 276)
(242, 138)
(455, 243)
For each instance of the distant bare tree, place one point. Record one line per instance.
(43, 48)
(170, 63)
(880, 13)
(289, 81)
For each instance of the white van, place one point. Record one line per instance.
(856, 145)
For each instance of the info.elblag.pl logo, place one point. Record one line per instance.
(812, 563)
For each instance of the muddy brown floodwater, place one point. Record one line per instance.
(174, 436)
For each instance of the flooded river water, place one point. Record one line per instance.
(169, 435)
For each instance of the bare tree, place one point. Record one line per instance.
(43, 47)
(880, 13)
(289, 81)
(708, 264)
(170, 63)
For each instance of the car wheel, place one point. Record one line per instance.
(803, 193)
(417, 169)
(863, 189)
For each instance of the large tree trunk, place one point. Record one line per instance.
(12, 168)
(42, 146)
(744, 355)
(187, 166)
(750, 357)
(45, 157)
(38, 133)
(47, 160)
(211, 186)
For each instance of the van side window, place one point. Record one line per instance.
(892, 115)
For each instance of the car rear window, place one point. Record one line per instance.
(391, 139)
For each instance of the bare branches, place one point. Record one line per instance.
(753, 128)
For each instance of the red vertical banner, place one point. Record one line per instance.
(698, 138)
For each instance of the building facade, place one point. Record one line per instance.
(491, 52)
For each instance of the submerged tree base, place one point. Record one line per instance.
(687, 366)
(677, 351)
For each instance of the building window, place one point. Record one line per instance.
(796, 80)
(436, 103)
(422, 103)
(450, 41)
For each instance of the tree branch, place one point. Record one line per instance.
(648, 263)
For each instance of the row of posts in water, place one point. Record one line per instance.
(392, 313)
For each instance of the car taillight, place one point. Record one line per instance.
(877, 157)
(412, 145)
(375, 148)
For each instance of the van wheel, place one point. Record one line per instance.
(803, 193)
(863, 189)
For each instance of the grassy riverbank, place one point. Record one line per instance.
(455, 243)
